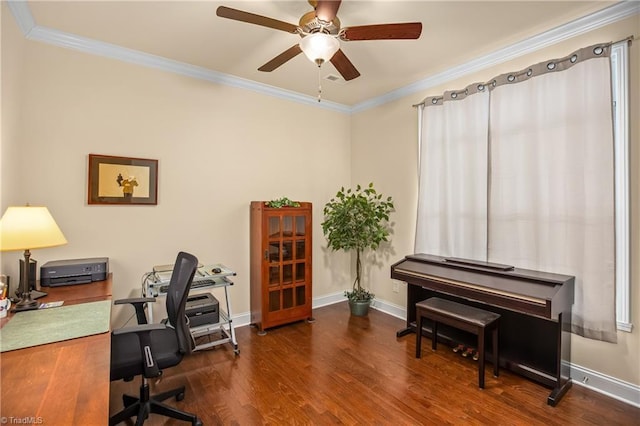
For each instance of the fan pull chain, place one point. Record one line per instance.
(319, 84)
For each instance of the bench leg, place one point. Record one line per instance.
(481, 357)
(418, 335)
(496, 355)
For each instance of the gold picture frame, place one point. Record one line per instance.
(122, 180)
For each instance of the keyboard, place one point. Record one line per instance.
(195, 284)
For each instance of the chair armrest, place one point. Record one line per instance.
(138, 329)
(138, 303)
(143, 331)
(133, 300)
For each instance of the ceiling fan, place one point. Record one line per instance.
(321, 35)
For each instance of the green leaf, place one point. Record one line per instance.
(282, 202)
(358, 219)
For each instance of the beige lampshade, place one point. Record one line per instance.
(29, 227)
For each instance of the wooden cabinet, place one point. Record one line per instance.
(280, 264)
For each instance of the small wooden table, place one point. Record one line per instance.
(61, 383)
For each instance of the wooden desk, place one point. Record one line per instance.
(61, 383)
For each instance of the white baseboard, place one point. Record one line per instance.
(607, 385)
(391, 309)
(329, 299)
(240, 320)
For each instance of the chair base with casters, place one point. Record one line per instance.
(147, 349)
(146, 404)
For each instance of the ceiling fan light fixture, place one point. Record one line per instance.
(319, 47)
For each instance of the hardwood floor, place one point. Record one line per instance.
(350, 370)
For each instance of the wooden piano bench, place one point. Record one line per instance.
(463, 317)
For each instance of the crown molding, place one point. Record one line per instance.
(566, 31)
(32, 31)
(22, 14)
(86, 45)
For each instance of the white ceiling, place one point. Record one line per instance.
(454, 33)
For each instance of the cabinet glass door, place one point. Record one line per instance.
(287, 256)
(273, 255)
(300, 261)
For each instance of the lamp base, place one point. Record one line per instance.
(33, 295)
(28, 308)
(36, 294)
(26, 304)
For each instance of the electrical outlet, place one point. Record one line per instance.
(396, 287)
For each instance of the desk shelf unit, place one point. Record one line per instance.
(219, 333)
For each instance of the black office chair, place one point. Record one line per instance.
(146, 349)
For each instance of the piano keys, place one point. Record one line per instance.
(535, 308)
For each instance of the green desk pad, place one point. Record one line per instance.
(42, 326)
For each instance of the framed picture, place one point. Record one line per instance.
(122, 180)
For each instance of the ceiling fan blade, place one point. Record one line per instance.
(288, 54)
(410, 30)
(251, 18)
(326, 10)
(344, 66)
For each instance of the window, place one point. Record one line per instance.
(620, 86)
(619, 63)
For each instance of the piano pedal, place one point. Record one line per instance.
(469, 352)
(458, 348)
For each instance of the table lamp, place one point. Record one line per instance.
(25, 228)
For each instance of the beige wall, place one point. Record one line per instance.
(218, 149)
(11, 85)
(384, 150)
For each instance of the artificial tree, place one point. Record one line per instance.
(356, 220)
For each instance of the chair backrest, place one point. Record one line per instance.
(179, 286)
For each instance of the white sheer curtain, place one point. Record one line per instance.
(452, 200)
(552, 186)
(524, 176)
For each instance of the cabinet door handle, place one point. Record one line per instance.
(266, 254)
